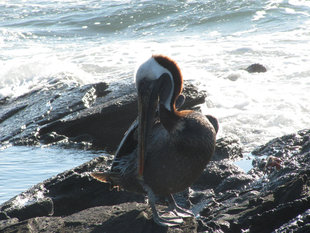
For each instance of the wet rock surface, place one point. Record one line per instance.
(274, 196)
(224, 198)
(86, 117)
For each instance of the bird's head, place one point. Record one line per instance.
(158, 81)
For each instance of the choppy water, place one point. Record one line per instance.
(213, 41)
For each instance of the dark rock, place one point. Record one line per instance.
(287, 145)
(215, 173)
(301, 224)
(234, 182)
(4, 100)
(201, 195)
(89, 116)
(41, 207)
(256, 68)
(66, 193)
(104, 125)
(227, 148)
(101, 89)
(225, 198)
(3, 216)
(126, 217)
(264, 204)
(10, 112)
(21, 117)
(8, 222)
(74, 195)
(193, 97)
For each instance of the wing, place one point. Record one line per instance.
(130, 140)
(128, 143)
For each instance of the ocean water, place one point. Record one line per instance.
(83, 42)
(23, 167)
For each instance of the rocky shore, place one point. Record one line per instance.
(274, 196)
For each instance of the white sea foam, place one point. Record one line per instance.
(34, 68)
(213, 42)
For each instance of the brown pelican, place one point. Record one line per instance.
(165, 150)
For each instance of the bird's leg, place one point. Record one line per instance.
(160, 220)
(179, 211)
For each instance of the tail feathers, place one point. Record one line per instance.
(101, 176)
(214, 122)
(108, 177)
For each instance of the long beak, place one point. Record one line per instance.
(147, 104)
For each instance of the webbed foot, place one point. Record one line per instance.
(183, 213)
(179, 211)
(167, 219)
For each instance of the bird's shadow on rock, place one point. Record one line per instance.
(134, 221)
